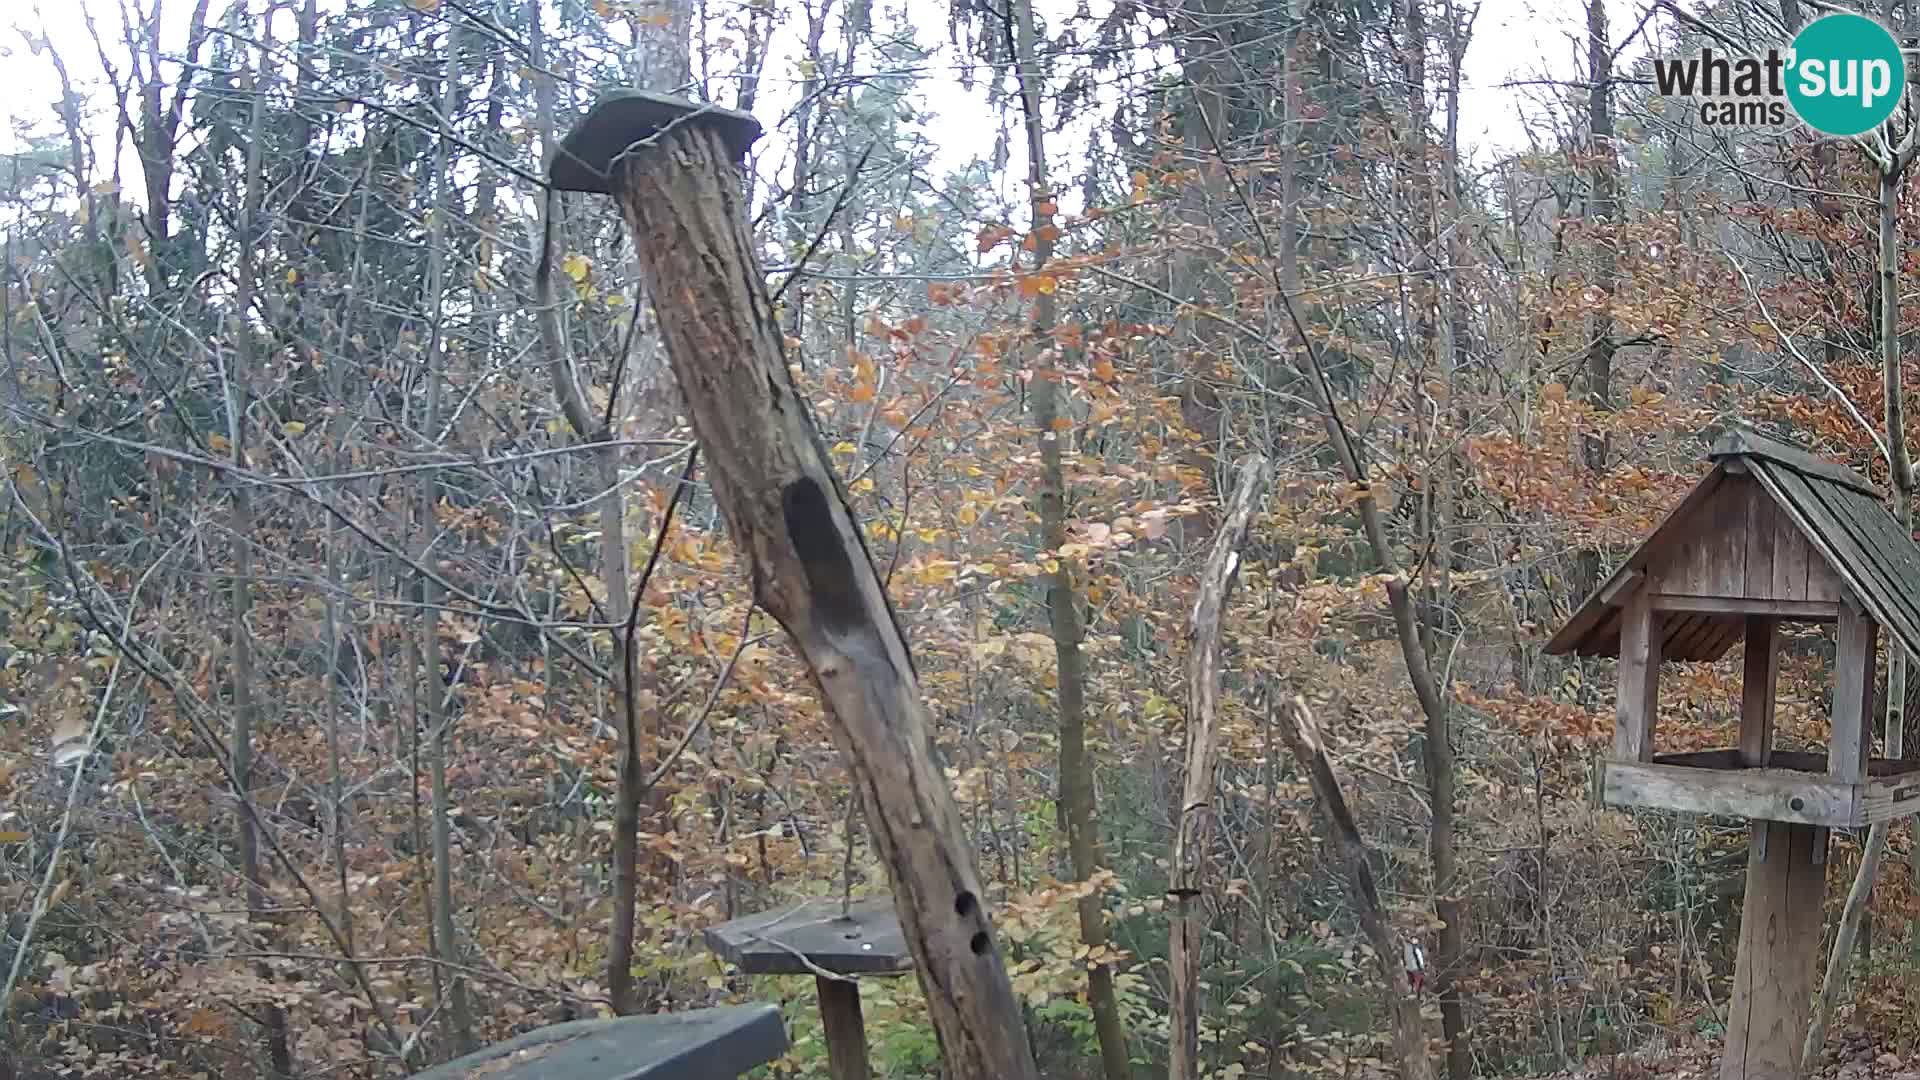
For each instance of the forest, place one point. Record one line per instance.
(1234, 398)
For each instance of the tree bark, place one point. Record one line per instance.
(434, 691)
(1195, 815)
(786, 513)
(1302, 737)
(1063, 600)
(240, 645)
(1597, 370)
(1450, 944)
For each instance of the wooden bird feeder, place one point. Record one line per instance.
(817, 938)
(1772, 535)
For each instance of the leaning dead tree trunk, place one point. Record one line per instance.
(1196, 811)
(1302, 737)
(672, 166)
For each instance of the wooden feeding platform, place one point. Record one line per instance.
(700, 1044)
(818, 938)
(1772, 535)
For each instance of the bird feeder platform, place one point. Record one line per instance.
(700, 1044)
(816, 938)
(1772, 535)
(586, 157)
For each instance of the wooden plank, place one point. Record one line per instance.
(1791, 553)
(1750, 444)
(1759, 794)
(1792, 610)
(865, 939)
(1639, 681)
(1615, 590)
(1757, 677)
(1884, 798)
(723, 1041)
(1726, 546)
(1780, 935)
(1760, 541)
(1852, 735)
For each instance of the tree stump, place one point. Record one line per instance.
(673, 168)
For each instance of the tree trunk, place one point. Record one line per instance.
(1438, 736)
(434, 690)
(785, 511)
(1900, 468)
(240, 646)
(1598, 367)
(1297, 728)
(1195, 815)
(1063, 601)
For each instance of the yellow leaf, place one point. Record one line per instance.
(294, 428)
(218, 442)
(293, 276)
(576, 266)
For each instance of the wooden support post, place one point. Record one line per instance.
(1852, 738)
(1780, 935)
(1756, 691)
(1639, 678)
(846, 1029)
(674, 168)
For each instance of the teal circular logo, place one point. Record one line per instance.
(1847, 74)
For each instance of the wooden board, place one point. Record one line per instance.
(797, 939)
(699, 1044)
(1769, 794)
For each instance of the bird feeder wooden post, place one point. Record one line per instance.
(674, 168)
(834, 946)
(1772, 535)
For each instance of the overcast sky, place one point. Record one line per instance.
(1519, 48)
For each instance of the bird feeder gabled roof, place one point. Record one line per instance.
(1764, 498)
